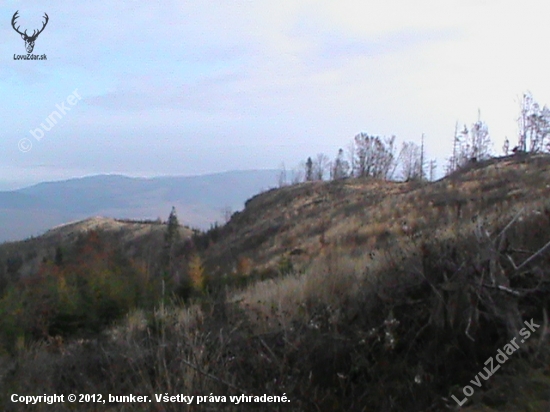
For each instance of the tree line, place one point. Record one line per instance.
(367, 156)
(371, 156)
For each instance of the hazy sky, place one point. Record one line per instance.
(188, 87)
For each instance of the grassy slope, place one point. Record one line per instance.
(137, 238)
(395, 304)
(354, 216)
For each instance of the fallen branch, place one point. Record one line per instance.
(503, 288)
(529, 259)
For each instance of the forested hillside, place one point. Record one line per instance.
(355, 294)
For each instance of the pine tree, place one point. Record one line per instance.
(172, 229)
(171, 237)
(309, 170)
(340, 168)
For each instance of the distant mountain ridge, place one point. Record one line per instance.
(199, 200)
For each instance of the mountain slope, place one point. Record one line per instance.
(199, 200)
(137, 239)
(354, 215)
(349, 295)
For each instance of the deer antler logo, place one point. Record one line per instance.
(29, 40)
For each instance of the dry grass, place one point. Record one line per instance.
(372, 214)
(350, 333)
(137, 238)
(331, 281)
(392, 306)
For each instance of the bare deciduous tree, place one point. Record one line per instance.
(320, 166)
(534, 125)
(282, 176)
(421, 165)
(227, 212)
(298, 174)
(506, 147)
(351, 157)
(453, 160)
(409, 158)
(373, 157)
(470, 145)
(480, 142)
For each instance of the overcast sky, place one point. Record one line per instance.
(192, 87)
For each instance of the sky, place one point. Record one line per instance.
(185, 88)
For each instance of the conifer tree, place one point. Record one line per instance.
(309, 170)
(340, 166)
(171, 237)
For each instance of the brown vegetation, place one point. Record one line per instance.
(399, 294)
